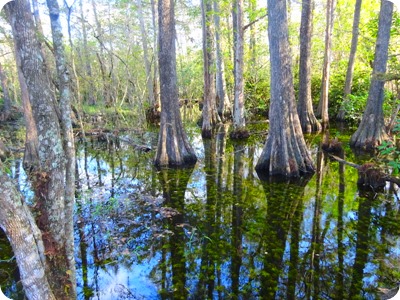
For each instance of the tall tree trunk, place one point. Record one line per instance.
(350, 66)
(322, 110)
(223, 102)
(371, 131)
(210, 113)
(147, 65)
(67, 136)
(173, 146)
(239, 122)
(285, 151)
(49, 178)
(308, 121)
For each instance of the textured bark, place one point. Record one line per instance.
(308, 121)
(223, 102)
(350, 66)
(173, 146)
(18, 224)
(371, 131)
(238, 108)
(285, 151)
(31, 153)
(67, 135)
(322, 110)
(48, 180)
(210, 112)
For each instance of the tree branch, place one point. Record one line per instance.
(255, 21)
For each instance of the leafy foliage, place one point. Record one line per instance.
(390, 152)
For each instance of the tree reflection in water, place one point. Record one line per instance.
(219, 232)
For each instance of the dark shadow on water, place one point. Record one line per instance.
(216, 231)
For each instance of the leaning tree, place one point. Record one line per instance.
(285, 151)
(371, 131)
(173, 146)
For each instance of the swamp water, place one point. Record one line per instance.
(217, 231)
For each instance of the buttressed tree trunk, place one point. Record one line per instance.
(371, 131)
(48, 180)
(308, 121)
(173, 146)
(285, 152)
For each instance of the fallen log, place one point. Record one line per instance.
(369, 174)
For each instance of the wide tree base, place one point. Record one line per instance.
(369, 135)
(309, 123)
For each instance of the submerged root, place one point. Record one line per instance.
(333, 146)
(239, 134)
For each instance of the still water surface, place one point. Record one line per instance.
(217, 231)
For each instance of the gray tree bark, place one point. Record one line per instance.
(67, 136)
(48, 179)
(173, 146)
(223, 102)
(308, 121)
(371, 131)
(322, 110)
(18, 223)
(350, 66)
(239, 122)
(31, 152)
(285, 152)
(210, 112)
